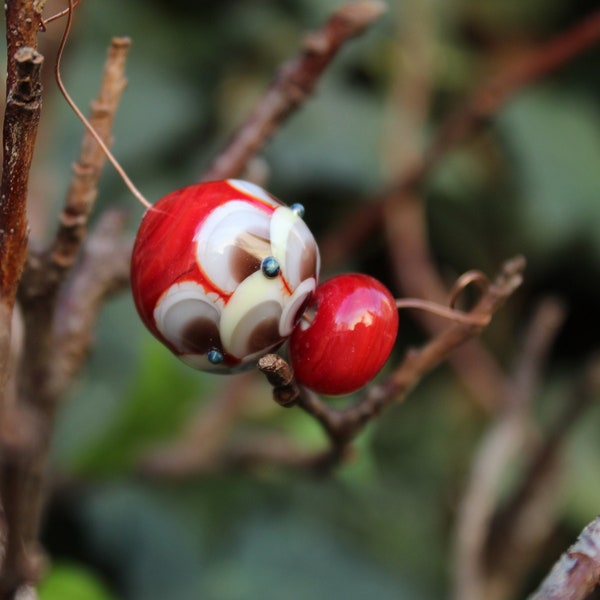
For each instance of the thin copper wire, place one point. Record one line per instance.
(476, 278)
(444, 311)
(109, 155)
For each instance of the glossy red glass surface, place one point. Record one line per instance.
(349, 331)
(197, 276)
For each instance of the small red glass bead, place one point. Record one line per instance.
(346, 336)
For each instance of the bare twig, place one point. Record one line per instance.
(501, 444)
(522, 526)
(280, 375)
(491, 96)
(416, 275)
(404, 212)
(342, 425)
(577, 573)
(21, 119)
(45, 271)
(83, 191)
(292, 85)
(473, 114)
(53, 342)
(102, 272)
(200, 448)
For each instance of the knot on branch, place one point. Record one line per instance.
(27, 88)
(281, 376)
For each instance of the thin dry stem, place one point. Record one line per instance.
(494, 547)
(523, 525)
(473, 114)
(291, 87)
(577, 573)
(58, 15)
(102, 271)
(201, 447)
(501, 445)
(89, 127)
(83, 190)
(342, 425)
(416, 275)
(45, 271)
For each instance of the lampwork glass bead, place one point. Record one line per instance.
(199, 279)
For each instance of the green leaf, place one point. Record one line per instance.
(72, 582)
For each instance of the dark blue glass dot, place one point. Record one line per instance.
(298, 209)
(215, 357)
(270, 267)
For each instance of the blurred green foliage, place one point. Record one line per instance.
(72, 582)
(381, 527)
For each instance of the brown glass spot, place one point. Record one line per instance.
(247, 254)
(242, 264)
(308, 264)
(200, 336)
(264, 335)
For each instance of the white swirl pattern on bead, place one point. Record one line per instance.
(249, 314)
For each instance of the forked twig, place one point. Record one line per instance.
(342, 425)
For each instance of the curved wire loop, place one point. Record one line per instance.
(449, 312)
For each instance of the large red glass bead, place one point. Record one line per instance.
(346, 336)
(221, 272)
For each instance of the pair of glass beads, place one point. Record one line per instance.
(223, 273)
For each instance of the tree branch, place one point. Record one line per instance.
(46, 368)
(471, 116)
(23, 19)
(342, 425)
(504, 441)
(21, 120)
(577, 572)
(292, 86)
(83, 190)
(45, 271)
(102, 272)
